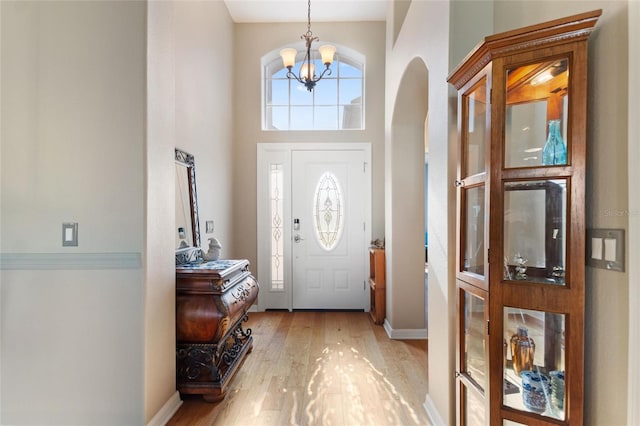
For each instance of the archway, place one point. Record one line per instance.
(405, 206)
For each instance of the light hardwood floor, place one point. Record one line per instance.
(320, 368)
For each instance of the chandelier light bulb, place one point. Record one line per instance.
(327, 51)
(307, 71)
(288, 57)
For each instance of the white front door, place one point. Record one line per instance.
(323, 264)
(329, 226)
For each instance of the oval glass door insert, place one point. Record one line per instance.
(328, 211)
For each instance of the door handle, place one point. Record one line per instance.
(297, 238)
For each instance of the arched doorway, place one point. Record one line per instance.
(405, 206)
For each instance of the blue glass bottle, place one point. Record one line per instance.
(555, 150)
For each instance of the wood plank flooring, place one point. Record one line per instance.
(319, 368)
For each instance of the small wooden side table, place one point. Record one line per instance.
(377, 285)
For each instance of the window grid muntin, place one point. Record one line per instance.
(274, 68)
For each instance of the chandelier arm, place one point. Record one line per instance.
(290, 74)
(327, 71)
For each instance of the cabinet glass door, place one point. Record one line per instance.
(473, 227)
(536, 114)
(472, 346)
(474, 412)
(472, 180)
(473, 380)
(475, 129)
(475, 345)
(535, 215)
(534, 363)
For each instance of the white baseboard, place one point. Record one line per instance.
(405, 334)
(432, 412)
(167, 411)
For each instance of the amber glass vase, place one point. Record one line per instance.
(522, 350)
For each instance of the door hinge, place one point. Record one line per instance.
(488, 327)
(364, 284)
(490, 96)
(364, 226)
(364, 167)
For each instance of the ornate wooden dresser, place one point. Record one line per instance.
(212, 300)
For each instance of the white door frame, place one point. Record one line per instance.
(280, 153)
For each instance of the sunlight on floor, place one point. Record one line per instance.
(323, 369)
(336, 382)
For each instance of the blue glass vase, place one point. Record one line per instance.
(555, 150)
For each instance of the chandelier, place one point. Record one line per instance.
(306, 75)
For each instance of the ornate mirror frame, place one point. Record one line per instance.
(187, 161)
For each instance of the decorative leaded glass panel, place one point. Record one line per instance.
(277, 230)
(328, 211)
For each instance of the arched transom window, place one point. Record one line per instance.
(336, 102)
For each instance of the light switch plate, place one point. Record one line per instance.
(605, 249)
(70, 234)
(209, 226)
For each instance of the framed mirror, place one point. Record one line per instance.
(187, 229)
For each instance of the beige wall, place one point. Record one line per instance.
(188, 99)
(203, 110)
(422, 42)
(81, 344)
(159, 280)
(73, 104)
(252, 41)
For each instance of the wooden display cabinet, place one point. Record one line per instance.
(522, 119)
(377, 285)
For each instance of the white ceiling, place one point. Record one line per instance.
(296, 10)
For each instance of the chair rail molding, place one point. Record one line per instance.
(61, 261)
